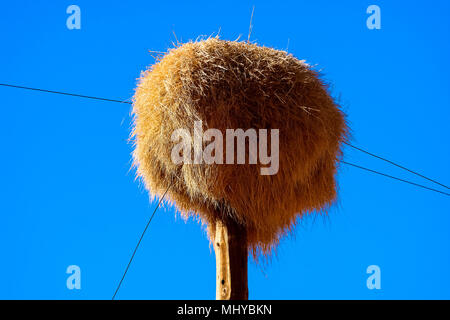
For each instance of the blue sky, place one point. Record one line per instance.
(69, 197)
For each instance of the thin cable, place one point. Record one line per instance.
(392, 177)
(64, 93)
(357, 148)
(397, 165)
(140, 239)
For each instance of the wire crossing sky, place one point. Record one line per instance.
(139, 242)
(357, 166)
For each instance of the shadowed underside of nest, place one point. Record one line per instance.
(231, 85)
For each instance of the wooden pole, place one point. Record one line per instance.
(231, 251)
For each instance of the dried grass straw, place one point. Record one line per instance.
(231, 84)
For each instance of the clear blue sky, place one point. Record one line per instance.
(68, 195)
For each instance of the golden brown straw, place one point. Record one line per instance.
(230, 84)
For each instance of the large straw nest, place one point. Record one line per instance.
(230, 84)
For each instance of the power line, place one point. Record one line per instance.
(64, 93)
(397, 165)
(357, 148)
(140, 239)
(392, 177)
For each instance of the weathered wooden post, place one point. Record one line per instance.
(230, 246)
